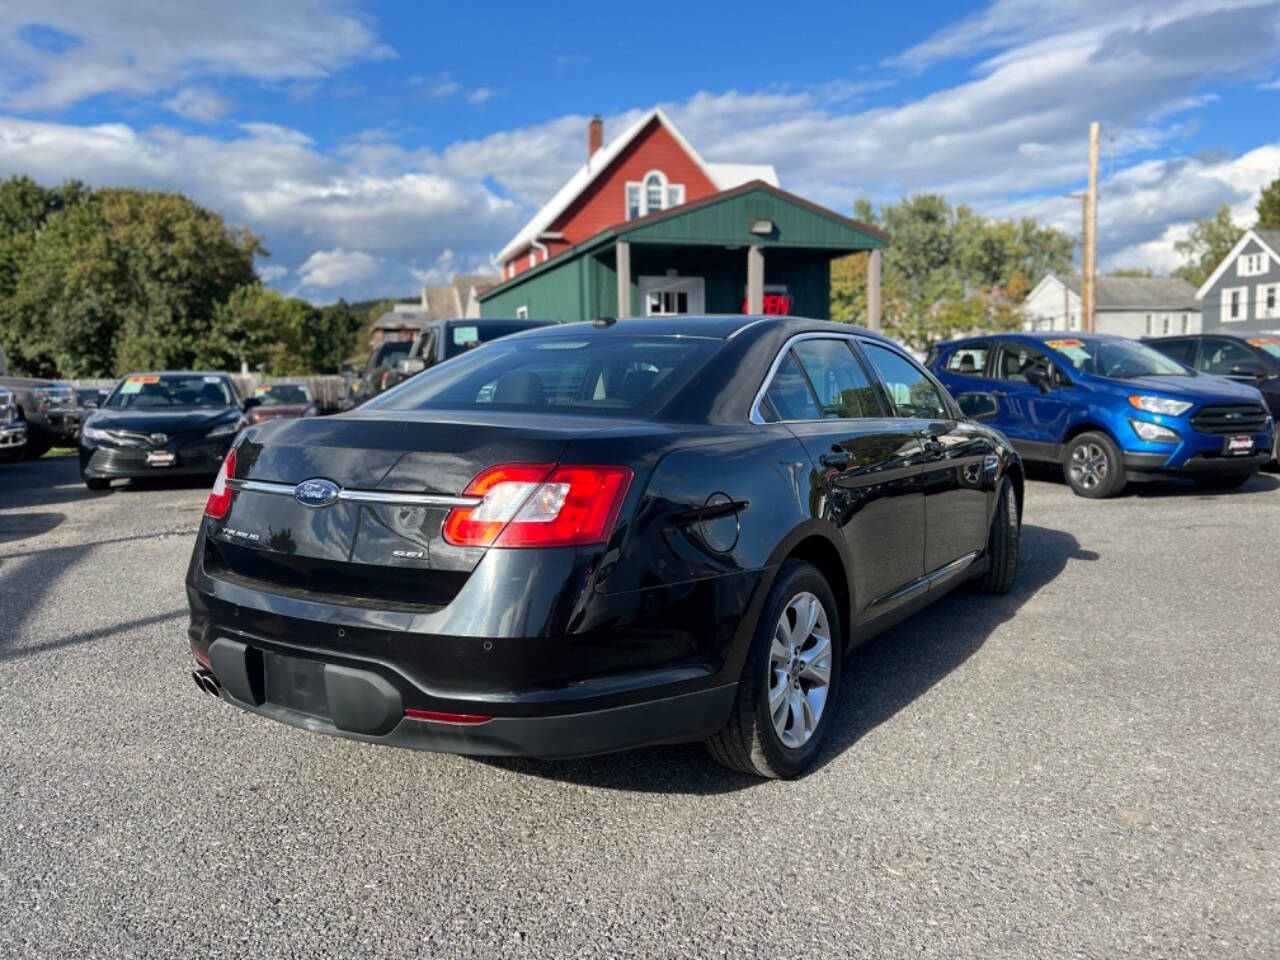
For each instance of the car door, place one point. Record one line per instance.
(866, 466)
(1035, 420)
(954, 477)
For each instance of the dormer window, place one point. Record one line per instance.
(652, 194)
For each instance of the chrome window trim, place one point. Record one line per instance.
(383, 497)
(755, 415)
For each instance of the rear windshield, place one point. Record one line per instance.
(461, 337)
(609, 375)
(279, 394)
(165, 390)
(1119, 359)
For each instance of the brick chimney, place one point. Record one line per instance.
(595, 136)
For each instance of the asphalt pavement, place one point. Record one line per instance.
(1089, 767)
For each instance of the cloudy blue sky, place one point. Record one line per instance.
(377, 146)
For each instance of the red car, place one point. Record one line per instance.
(282, 401)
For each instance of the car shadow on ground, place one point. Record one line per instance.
(1263, 482)
(882, 678)
(56, 479)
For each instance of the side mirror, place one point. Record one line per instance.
(1247, 371)
(91, 405)
(1041, 376)
(978, 406)
(251, 402)
(410, 366)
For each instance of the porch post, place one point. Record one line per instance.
(622, 252)
(873, 290)
(755, 280)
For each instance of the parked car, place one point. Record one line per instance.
(90, 398)
(1108, 409)
(587, 538)
(49, 409)
(13, 429)
(381, 364)
(281, 401)
(1252, 358)
(440, 340)
(166, 422)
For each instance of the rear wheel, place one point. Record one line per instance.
(1002, 545)
(1228, 482)
(790, 680)
(1092, 468)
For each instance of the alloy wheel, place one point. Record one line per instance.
(1088, 466)
(800, 660)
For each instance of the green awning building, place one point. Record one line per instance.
(753, 249)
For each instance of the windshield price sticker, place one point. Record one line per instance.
(466, 336)
(134, 384)
(262, 391)
(1075, 350)
(1263, 341)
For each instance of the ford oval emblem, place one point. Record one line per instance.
(317, 492)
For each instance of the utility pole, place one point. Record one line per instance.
(1089, 266)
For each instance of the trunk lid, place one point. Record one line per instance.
(392, 554)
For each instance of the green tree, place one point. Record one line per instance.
(123, 279)
(1205, 246)
(1269, 206)
(261, 328)
(1131, 272)
(946, 269)
(331, 337)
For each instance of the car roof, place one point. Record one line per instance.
(1038, 335)
(175, 373)
(714, 326)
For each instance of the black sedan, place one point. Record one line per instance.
(587, 538)
(164, 423)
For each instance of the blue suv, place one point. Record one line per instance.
(1108, 409)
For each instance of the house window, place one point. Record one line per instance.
(1151, 326)
(522, 312)
(652, 194)
(1186, 324)
(1267, 294)
(1251, 264)
(1164, 324)
(1235, 303)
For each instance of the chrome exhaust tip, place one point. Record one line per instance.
(207, 682)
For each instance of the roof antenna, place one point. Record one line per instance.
(601, 323)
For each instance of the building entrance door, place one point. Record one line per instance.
(672, 296)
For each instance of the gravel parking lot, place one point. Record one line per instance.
(1085, 768)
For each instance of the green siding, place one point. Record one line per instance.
(581, 284)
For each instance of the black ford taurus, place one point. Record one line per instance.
(586, 538)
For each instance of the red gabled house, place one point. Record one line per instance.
(649, 168)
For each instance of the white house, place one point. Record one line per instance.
(1126, 306)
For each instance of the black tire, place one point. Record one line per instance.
(97, 483)
(749, 742)
(1225, 482)
(1092, 467)
(35, 450)
(1003, 543)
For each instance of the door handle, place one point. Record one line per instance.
(999, 393)
(836, 459)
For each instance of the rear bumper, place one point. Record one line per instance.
(360, 704)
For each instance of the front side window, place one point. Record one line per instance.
(1219, 356)
(912, 392)
(969, 361)
(843, 390)
(1016, 359)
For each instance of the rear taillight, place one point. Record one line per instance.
(539, 505)
(219, 501)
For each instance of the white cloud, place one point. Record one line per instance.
(199, 104)
(480, 95)
(272, 273)
(93, 47)
(337, 268)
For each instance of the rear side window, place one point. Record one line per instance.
(837, 377)
(968, 361)
(789, 392)
(909, 387)
(607, 375)
(464, 336)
